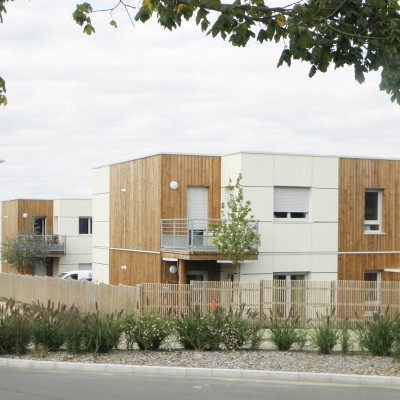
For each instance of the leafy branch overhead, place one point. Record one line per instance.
(364, 34)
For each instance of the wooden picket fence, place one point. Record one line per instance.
(309, 301)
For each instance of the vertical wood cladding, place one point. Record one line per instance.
(357, 175)
(140, 196)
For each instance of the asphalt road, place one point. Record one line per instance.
(31, 384)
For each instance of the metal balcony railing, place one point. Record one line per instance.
(190, 235)
(55, 244)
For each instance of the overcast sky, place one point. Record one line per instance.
(77, 102)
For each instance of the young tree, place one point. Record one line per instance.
(236, 234)
(25, 251)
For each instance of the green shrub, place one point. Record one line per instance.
(345, 339)
(198, 331)
(284, 332)
(15, 327)
(48, 326)
(237, 332)
(325, 336)
(101, 332)
(147, 331)
(74, 331)
(381, 336)
(218, 330)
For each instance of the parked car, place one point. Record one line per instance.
(80, 275)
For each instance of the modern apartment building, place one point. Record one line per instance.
(66, 223)
(320, 218)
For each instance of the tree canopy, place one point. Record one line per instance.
(24, 251)
(363, 34)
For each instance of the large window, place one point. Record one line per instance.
(85, 225)
(291, 203)
(373, 211)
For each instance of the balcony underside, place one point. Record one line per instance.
(199, 255)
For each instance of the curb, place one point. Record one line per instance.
(300, 377)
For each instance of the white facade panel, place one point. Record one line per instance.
(292, 237)
(325, 237)
(231, 167)
(324, 267)
(100, 270)
(73, 208)
(266, 230)
(326, 172)
(85, 244)
(292, 170)
(102, 236)
(101, 207)
(324, 205)
(262, 199)
(101, 180)
(257, 169)
(101, 223)
(289, 263)
(68, 226)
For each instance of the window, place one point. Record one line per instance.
(373, 211)
(85, 225)
(39, 225)
(289, 295)
(291, 203)
(372, 285)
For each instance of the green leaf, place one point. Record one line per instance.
(286, 57)
(312, 72)
(88, 29)
(113, 23)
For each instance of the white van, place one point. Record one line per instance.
(81, 275)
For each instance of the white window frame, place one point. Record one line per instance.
(297, 202)
(373, 296)
(90, 225)
(369, 223)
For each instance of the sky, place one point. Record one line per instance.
(77, 102)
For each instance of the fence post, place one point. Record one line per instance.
(140, 298)
(261, 309)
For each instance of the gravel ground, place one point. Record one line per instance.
(271, 360)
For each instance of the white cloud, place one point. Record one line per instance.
(76, 102)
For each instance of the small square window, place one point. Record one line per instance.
(85, 225)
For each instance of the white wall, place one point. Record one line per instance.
(290, 247)
(101, 223)
(66, 222)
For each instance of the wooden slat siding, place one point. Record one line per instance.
(15, 224)
(355, 176)
(140, 268)
(188, 171)
(135, 220)
(135, 214)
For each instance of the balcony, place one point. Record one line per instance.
(55, 244)
(191, 236)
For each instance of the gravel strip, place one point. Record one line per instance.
(270, 360)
